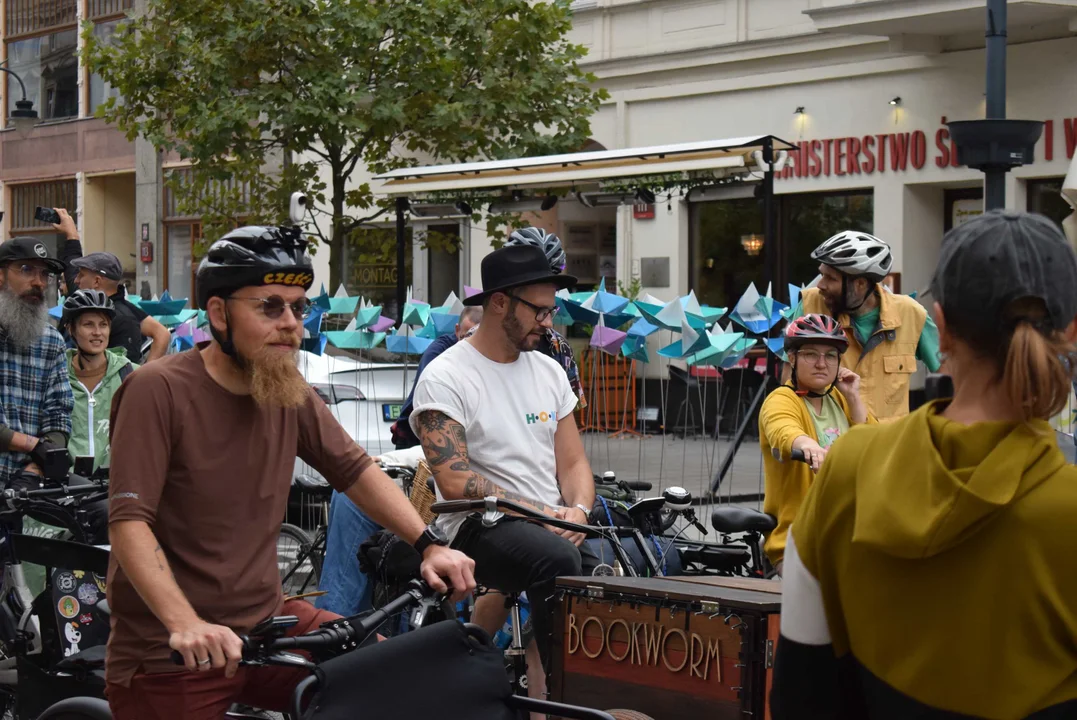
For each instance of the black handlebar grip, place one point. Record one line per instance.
(451, 506)
(638, 485)
(798, 456)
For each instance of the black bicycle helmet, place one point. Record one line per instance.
(247, 256)
(545, 241)
(254, 255)
(82, 301)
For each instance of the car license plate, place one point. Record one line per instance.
(390, 411)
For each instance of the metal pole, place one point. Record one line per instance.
(401, 246)
(774, 256)
(995, 179)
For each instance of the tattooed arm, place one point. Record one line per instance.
(445, 445)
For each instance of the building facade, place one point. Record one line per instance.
(114, 188)
(863, 88)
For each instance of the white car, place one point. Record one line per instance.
(364, 397)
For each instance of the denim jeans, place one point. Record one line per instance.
(348, 590)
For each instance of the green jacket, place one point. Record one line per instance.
(89, 420)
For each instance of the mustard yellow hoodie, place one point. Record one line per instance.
(946, 556)
(783, 418)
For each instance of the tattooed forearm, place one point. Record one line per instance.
(479, 487)
(444, 443)
(159, 556)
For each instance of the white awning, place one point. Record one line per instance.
(717, 157)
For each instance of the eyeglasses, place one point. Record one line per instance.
(812, 356)
(273, 306)
(541, 312)
(32, 271)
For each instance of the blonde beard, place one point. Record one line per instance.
(275, 379)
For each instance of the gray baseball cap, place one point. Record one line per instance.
(103, 263)
(1001, 256)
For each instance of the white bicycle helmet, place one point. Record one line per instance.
(856, 254)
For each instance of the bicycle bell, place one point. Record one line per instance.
(677, 498)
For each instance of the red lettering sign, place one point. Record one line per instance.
(943, 158)
(867, 154)
(643, 211)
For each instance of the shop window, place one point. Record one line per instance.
(46, 62)
(728, 251)
(372, 269)
(721, 266)
(181, 240)
(1045, 198)
(809, 219)
(100, 90)
(26, 198)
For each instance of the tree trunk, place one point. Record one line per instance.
(338, 251)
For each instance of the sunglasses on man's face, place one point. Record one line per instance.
(273, 306)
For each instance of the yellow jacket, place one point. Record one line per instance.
(890, 360)
(783, 418)
(944, 554)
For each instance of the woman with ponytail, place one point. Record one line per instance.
(932, 569)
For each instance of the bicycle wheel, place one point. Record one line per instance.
(298, 573)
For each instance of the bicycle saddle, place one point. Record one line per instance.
(312, 486)
(730, 519)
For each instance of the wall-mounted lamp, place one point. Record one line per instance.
(799, 110)
(709, 263)
(895, 101)
(752, 244)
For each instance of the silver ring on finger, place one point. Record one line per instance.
(204, 662)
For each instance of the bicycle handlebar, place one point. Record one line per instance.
(450, 506)
(798, 456)
(340, 633)
(641, 485)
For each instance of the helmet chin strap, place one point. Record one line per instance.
(845, 296)
(227, 346)
(809, 393)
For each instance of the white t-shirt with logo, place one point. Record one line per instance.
(509, 412)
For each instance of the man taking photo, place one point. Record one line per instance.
(35, 397)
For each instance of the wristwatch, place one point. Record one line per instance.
(586, 510)
(431, 536)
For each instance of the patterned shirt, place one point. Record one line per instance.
(35, 395)
(556, 346)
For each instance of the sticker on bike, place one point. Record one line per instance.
(88, 594)
(66, 582)
(68, 606)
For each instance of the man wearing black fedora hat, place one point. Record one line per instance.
(495, 418)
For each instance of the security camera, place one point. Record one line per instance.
(298, 208)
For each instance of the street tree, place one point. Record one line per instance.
(258, 95)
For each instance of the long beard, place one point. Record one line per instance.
(23, 322)
(275, 379)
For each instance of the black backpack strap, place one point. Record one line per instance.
(125, 371)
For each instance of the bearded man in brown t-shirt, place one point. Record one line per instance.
(203, 446)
